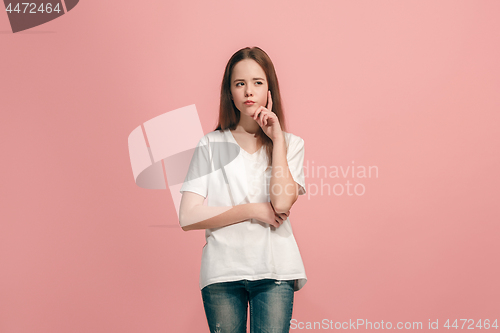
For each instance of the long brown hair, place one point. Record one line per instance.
(229, 115)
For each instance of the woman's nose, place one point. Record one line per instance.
(248, 91)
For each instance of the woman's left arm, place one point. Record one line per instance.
(284, 191)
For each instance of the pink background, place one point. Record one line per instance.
(411, 87)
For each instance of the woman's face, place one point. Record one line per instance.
(248, 83)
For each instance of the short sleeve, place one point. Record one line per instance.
(199, 169)
(295, 159)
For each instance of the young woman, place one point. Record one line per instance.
(251, 172)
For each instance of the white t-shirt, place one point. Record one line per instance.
(248, 250)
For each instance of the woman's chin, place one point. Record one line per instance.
(247, 113)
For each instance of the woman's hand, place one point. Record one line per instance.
(264, 212)
(268, 120)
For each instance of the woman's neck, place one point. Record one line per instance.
(247, 125)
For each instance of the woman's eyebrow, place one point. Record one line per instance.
(255, 78)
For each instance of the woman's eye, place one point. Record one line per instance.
(259, 82)
(237, 84)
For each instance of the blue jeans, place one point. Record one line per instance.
(271, 305)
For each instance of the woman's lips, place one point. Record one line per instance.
(249, 103)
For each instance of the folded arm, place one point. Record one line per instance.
(194, 215)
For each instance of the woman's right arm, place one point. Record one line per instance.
(194, 215)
